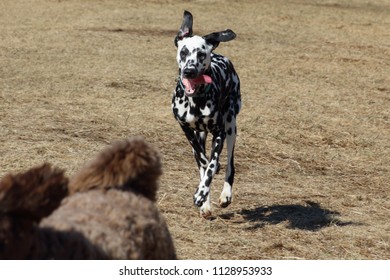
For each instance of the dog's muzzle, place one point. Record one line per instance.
(190, 73)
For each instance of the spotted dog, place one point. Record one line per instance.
(207, 100)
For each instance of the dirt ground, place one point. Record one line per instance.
(313, 146)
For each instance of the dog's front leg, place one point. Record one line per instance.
(202, 194)
(196, 140)
(202, 164)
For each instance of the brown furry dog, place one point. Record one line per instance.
(105, 211)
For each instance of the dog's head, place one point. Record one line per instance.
(194, 53)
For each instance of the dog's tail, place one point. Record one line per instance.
(26, 198)
(129, 164)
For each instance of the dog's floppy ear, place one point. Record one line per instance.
(216, 37)
(33, 194)
(186, 27)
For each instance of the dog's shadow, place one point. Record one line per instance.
(311, 217)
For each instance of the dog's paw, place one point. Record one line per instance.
(205, 209)
(200, 197)
(225, 202)
(226, 196)
(206, 213)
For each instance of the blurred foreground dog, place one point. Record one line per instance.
(105, 211)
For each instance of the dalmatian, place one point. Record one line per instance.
(206, 101)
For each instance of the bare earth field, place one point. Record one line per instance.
(313, 146)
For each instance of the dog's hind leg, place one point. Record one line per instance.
(231, 131)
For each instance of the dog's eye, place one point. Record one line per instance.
(183, 53)
(201, 56)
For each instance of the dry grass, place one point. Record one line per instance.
(313, 151)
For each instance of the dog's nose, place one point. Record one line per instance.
(189, 73)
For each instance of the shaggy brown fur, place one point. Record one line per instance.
(106, 211)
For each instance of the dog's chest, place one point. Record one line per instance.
(199, 113)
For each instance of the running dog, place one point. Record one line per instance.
(206, 100)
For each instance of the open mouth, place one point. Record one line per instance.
(190, 85)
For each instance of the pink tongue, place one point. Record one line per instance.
(190, 84)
